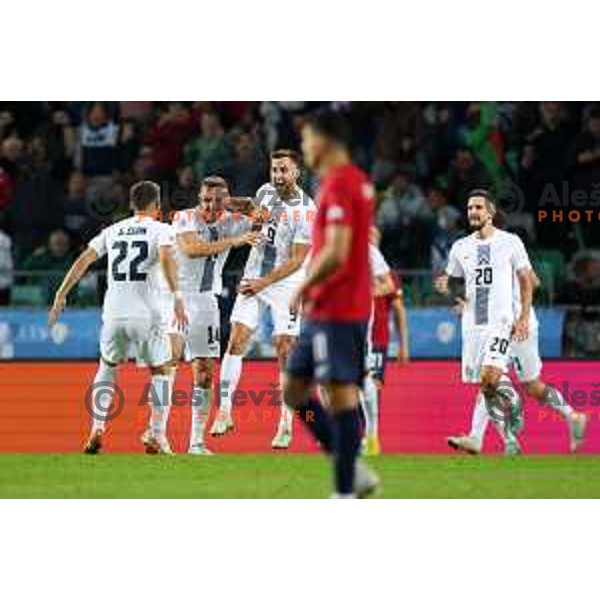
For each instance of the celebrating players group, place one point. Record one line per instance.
(317, 268)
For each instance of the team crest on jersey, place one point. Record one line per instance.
(483, 255)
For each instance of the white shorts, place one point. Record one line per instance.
(485, 346)
(148, 339)
(247, 309)
(526, 357)
(202, 334)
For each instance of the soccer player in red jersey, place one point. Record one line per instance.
(387, 298)
(336, 298)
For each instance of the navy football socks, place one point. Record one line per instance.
(319, 422)
(346, 446)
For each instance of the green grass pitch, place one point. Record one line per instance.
(292, 476)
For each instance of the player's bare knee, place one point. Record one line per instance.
(238, 340)
(164, 369)
(203, 373)
(283, 345)
(489, 382)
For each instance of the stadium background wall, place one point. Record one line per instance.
(434, 333)
(42, 409)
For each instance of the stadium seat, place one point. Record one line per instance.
(28, 295)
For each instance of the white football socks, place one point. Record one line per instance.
(200, 410)
(370, 397)
(103, 395)
(557, 402)
(159, 406)
(231, 370)
(480, 419)
(286, 416)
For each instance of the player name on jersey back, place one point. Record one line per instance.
(489, 267)
(289, 222)
(205, 273)
(133, 272)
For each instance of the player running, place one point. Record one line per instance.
(387, 296)
(336, 297)
(273, 271)
(495, 269)
(137, 248)
(528, 366)
(204, 236)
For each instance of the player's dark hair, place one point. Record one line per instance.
(143, 194)
(286, 153)
(331, 125)
(498, 216)
(214, 181)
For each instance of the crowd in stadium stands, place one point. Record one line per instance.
(65, 168)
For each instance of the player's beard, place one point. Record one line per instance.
(285, 191)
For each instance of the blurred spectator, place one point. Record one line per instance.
(36, 208)
(99, 142)
(583, 283)
(403, 218)
(6, 266)
(587, 153)
(465, 173)
(482, 135)
(402, 202)
(248, 170)
(167, 136)
(56, 257)
(185, 193)
(398, 129)
(447, 226)
(438, 139)
(78, 220)
(544, 158)
(207, 153)
(11, 152)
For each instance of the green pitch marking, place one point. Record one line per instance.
(292, 476)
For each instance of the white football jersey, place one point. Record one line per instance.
(204, 273)
(489, 268)
(290, 222)
(379, 266)
(134, 273)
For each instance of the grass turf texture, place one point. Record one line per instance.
(292, 476)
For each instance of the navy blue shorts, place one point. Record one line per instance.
(329, 352)
(378, 363)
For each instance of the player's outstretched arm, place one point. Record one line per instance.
(521, 326)
(194, 246)
(335, 252)
(244, 205)
(402, 326)
(297, 255)
(79, 268)
(169, 268)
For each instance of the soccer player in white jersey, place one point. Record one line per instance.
(273, 271)
(137, 248)
(495, 269)
(528, 367)
(369, 395)
(204, 238)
